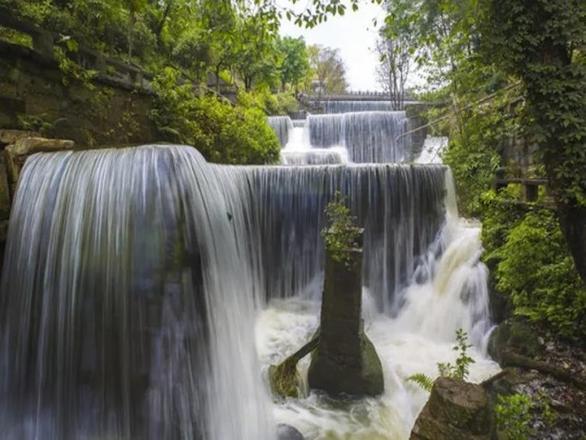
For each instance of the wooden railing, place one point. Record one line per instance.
(529, 186)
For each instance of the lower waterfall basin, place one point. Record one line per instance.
(285, 325)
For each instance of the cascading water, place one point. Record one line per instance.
(298, 151)
(133, 280)
(400, 206)
(333, 106)
(282, 126)
(126, 310)
(369, 137)
(432, 149)
(445, 291)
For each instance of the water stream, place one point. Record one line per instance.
(145, 292)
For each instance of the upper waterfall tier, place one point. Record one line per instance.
(370, 137)
(355, 106)
(282, 126)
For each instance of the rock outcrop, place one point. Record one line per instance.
(455, 410)
(345, 361)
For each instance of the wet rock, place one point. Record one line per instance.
(8, 137)
(31, 145)
(513, 335)
(345, 361)
(288, 432)
(455, 410)
(15, 154)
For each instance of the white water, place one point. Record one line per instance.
(448, 291)
(432, 150)
(359, 137)
(298, 150)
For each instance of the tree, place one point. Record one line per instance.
(329, 73)
(295, 61)
(395, 62)
(257, 57)
(541, 42)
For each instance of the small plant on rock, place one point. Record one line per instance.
(462, 367)
(341, 234)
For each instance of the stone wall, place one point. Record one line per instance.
(47, 86)
(35, 94)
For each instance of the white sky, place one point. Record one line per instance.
(355, 35)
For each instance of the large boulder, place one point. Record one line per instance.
(345, 361)
(456, 410)
(288, 432)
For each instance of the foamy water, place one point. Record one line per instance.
(420, 336)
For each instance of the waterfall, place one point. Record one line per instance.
(298, 151)
(356, 106)
(282, 126)
(432, 150)
(373, 136)
(133, 280)
(126, 309)
(400, 206)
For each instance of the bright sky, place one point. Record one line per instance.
(355, 35)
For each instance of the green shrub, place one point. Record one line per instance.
(271, 104)
(515, 413)
(538, 273)
(221, 132)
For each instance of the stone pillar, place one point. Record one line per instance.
(345, 361)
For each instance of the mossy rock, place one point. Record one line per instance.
(362, 376)
(284, 379)
(513, 335)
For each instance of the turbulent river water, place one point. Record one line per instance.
(145, 292)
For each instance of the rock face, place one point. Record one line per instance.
(455, 410)
(345, 361)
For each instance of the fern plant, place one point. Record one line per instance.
(423, 380)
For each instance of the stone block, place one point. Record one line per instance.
(8, 136)
(31, 145)
(456, 410)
